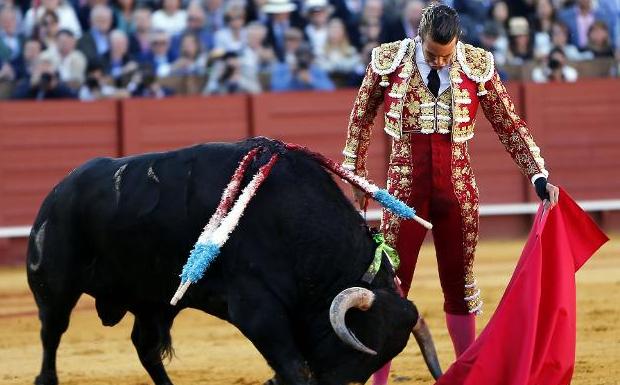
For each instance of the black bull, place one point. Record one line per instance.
(120, 230)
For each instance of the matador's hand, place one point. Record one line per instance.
(360, 197)
(547, 191)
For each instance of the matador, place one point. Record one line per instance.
(430, 88)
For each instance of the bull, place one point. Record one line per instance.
(120, 229)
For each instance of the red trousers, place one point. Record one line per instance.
(433, 197)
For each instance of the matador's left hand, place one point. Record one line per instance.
(547, 192)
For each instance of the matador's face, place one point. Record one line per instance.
(438, 55)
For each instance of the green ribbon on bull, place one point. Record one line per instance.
(375, 265)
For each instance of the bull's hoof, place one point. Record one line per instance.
(272, 381)
(46, 379)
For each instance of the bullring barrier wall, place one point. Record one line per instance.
(576, 126)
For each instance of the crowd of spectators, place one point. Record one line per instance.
(93, 49)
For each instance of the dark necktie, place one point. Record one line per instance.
(433, 82)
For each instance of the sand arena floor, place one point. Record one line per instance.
(209, 351)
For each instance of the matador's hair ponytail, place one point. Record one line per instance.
(440, 23)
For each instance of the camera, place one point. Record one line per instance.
(304, 57)
(92, 83)
(46, 80)
(555, 64)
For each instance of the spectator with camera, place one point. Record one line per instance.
(97, 86)
(145, 84)
(44, 83)
(227, 76)
(302, 74)
(555, 70)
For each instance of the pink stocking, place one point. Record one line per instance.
(381, 376)
(462, 329)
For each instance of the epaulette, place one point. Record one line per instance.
(386, 58)
(476, 63)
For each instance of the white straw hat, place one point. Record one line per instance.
(316, 4)
(279, 6)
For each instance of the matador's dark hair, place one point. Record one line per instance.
(440, 23)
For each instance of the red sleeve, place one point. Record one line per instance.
(362, 116)
(511, 129)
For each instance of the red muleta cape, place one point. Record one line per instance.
(531, 337)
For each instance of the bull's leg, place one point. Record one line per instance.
(54, 313)
(260, 316)
(151, 337)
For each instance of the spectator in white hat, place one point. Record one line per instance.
(317, 12)
(280, 21)
(521, 44)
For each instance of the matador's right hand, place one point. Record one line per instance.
(360, 197)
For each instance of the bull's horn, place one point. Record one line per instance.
(357, 297)
(423, 337)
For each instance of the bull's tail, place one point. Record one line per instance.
(382, 196)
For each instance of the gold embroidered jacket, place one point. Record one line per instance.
(473, 81)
